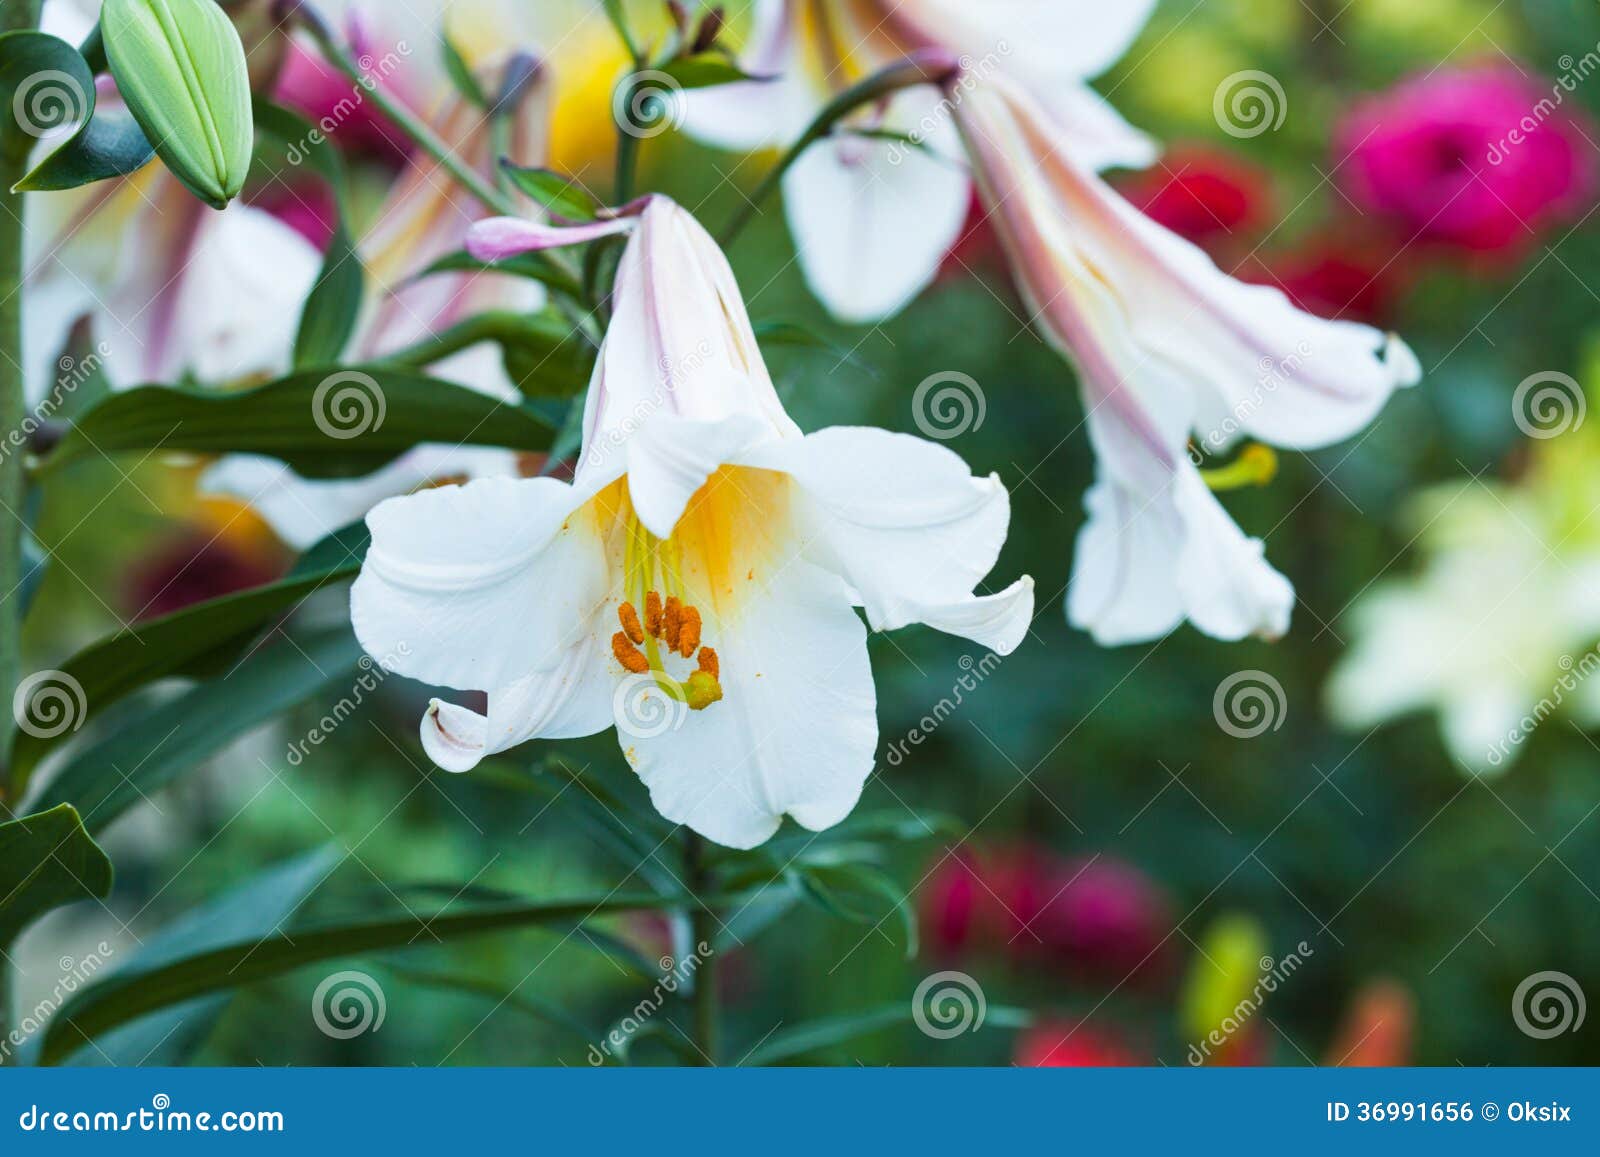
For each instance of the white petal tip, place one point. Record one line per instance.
(1402, 361)
(453, 736)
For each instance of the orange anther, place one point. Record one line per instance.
(709, 663)
(628, 655)
(652, 613)
(630, 622)
(672, 622)
(689, 637)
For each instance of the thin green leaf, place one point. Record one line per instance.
(106, 779)
(534, 266)
(705, 70)
(47, 860)
(460, 74)
(110, 145)
(324, 423)
(137, 992)
(333, 306)
(251, 909)
(189, 642)
(563, 197)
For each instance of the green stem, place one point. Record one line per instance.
(497, 325)
(407, 122)
(920, 68)
(703, 930)
(15, 16)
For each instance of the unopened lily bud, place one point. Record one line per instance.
(181, 69)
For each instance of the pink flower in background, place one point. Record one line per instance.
(1098, 916)
(1479, 158)
(324, 95)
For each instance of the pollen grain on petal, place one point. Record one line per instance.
(628, 655)
(629, 618)
(689, 632)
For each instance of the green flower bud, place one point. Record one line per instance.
(182, 71)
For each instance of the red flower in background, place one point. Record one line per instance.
(1098, 916)
(1478, 159)
(1339, 274)
(1065, 1044)
(1204, 195)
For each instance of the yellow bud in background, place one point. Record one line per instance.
(181, 69)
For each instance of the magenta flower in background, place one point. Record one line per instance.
(1481, 158)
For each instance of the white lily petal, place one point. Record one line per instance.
(476, 586)
(903, 520)
(1099, 136)
(872, 222)
(1045, 41)
(571, 700)
(795, 734)
(1147, 560)
(767, 113)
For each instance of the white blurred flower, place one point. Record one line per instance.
(1496, 632)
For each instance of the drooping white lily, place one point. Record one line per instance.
(1168, 348)
(873, 219)
(695, 584)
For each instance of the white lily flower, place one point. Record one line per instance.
(874, 219)
(695, 583)
(1167, 348)
(1496, 632)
